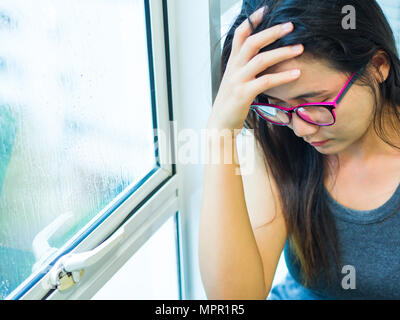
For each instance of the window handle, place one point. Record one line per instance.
(40, 244)
(69, 269)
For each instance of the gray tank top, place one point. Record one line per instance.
(369, 244)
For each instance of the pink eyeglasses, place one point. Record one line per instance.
(318, 113)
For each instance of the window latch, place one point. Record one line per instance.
(41, 248)
(70, 268)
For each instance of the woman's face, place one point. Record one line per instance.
(354, 113)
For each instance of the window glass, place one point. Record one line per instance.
(76, 122)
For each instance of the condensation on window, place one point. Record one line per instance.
(76, 126)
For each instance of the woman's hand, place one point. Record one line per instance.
(240, 86)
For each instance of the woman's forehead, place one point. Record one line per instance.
(315, 76)
(305, 63)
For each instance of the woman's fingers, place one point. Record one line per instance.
(264, 60)
(256, 42)
(271, 80)
(243, 31)
(240, 85)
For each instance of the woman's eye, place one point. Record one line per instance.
(327, 99)
(280, 103)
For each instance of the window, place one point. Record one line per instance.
(152, 271)
(82, 101)
(391, 8)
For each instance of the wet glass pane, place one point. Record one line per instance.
(76, 124)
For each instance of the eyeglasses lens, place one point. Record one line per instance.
(314, 114)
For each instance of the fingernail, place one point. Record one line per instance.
(297, 48)
(262, 8)
(295, 73)
(287, 26)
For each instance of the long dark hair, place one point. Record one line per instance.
(296, 166)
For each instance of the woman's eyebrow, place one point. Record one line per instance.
(305, 95)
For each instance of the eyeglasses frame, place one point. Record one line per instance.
(330, 105)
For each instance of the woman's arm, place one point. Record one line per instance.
(230, 263)
(235, 262)
(265, 211)
(240, 243)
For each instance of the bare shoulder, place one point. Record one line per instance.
(260, 189)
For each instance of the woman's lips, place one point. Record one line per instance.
(319, 143)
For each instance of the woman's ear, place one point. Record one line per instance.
(381, 63)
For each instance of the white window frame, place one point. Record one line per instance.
(191, 25)
(143, 212)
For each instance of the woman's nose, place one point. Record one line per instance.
(302, 128)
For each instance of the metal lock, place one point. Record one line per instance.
(67, 279)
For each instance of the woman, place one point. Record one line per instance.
(326, 188)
